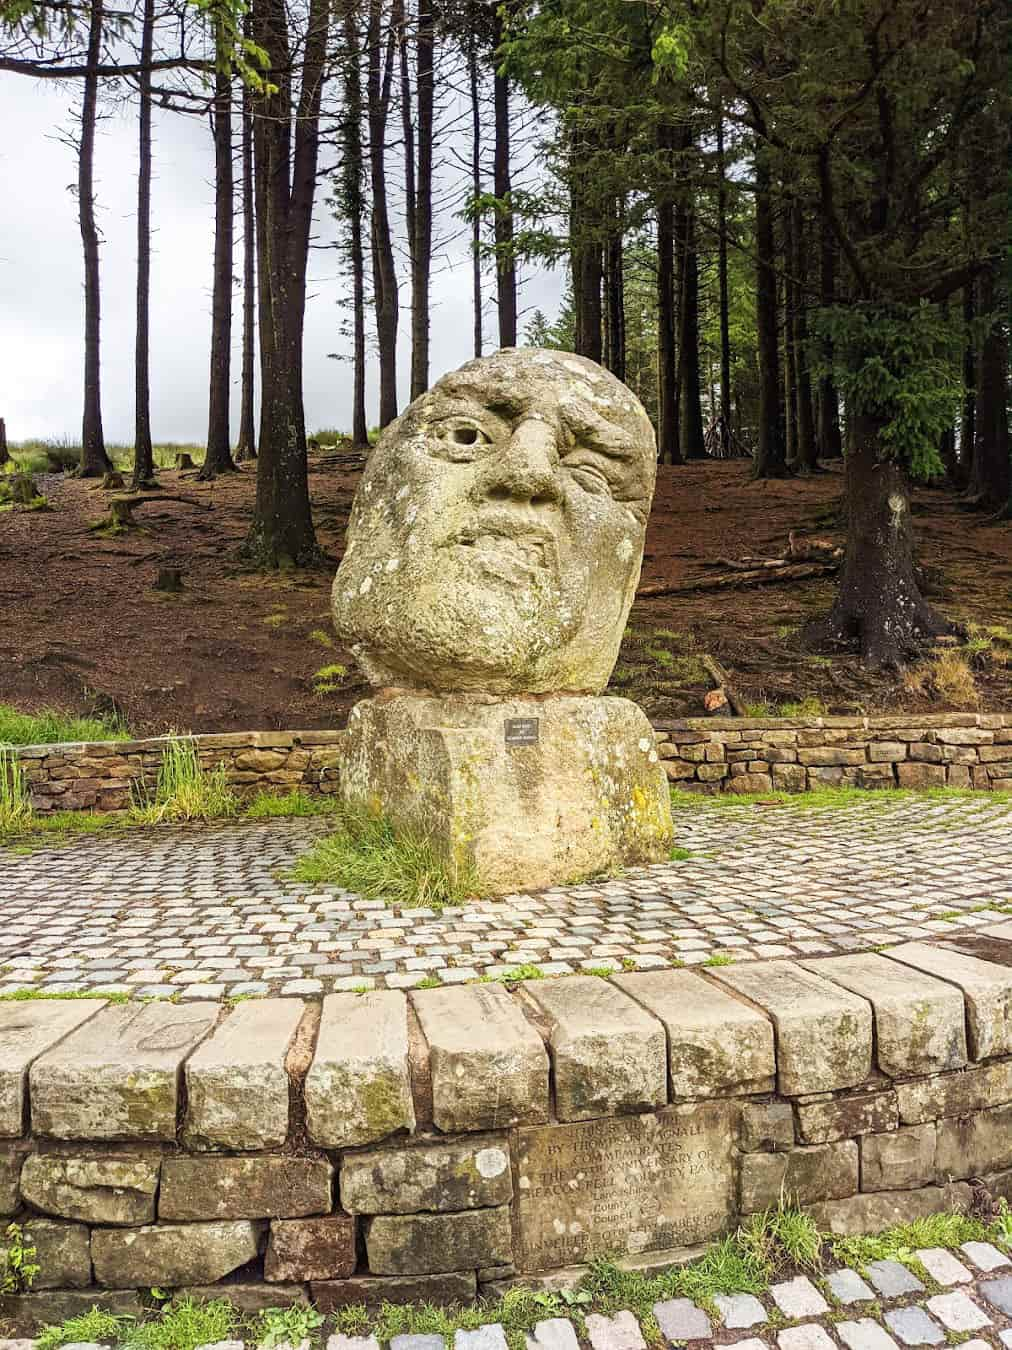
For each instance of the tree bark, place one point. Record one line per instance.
(94, 461)
(475, 92)
(830, 438)
(967, 430)
(690, 408)
(5, 454)
(506, 268)
(724, 433)
(879, 606)
(614, 291)
(770, 459)
(354, 206)
(991, 483)
(144, 462)
(421, 253)
(384, 271)
(667, 370)
(218, 457)
(808, 461)
(246, 448)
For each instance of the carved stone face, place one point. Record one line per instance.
(496, 538)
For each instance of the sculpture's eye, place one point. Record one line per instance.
(590, 478)
(459, 440)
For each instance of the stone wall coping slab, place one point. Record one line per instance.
(27, 1031)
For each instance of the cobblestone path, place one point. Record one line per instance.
(210, 911)
(967, 1302)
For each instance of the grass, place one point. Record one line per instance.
(91, 1328)
(15, 803)
(329, 679)
(806, 707)
(269, 806)
(822, 798)
(680, 854)
(51, 726)
(900, 1242)
(186, 790)
(367, 855)
(947, 676)
(184, 1325)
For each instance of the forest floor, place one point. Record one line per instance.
(83, 628)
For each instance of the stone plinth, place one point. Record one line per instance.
(528, 791)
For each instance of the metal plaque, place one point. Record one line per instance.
(522, 730)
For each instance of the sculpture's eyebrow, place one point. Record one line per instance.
(597, 433)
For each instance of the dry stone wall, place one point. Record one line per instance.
(708, 755)
(431, 1145)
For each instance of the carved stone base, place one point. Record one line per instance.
(531, 791)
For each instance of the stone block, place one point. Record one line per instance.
(963, 736)
(711, 773)
(677, 769)
(955, 1094)
(886, 751)
(12, 1158)
(49, 1307)
(173, 1254)
(822, 1122)
(488, 1064)
(831, 755)
(432, 1244)
(585, 793)
(447, 1288)
(914, 1326)
(310, 1249)
(801, 1175)
(358, 1088)
(717, 1045)
(766, 1127)
(919, 1021)
(237, 1087)
(912, 774)
(62, 1253)
(681, 1320)
(93, 1188)
(969, 1146)
(466, 1174)
(248, 1297)
(926, 752)
(876, 1211)
(987, 989)
(790, 777)
(271, 1186)
(750, 782)
(28, 1030)
(620, 1331)
(608, 1054)
(900, 1160)
(118, 1075)
(824, 1033)
(625, 1185)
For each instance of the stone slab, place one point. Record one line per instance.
(900, 1159)
(311, 1249)
(847, 1287)
(999, 1294)
(248, 1296)
(985, 1256)
(489, 1337)
(971, 1146)
(623, 1186)
(554, 1333)
(28, 1030)
(958, 1312)
(913, 1326)
(865, 1334)
(824, 1033)
(466, 1174)
(236, 1084)
(118, 1075)
(372, 1291)
(488, 1064)
(874, 1212)
(987, 989)
(717, 1044)
(858, 1113)
(798, 1298)
(955, 1094)
(62, 1253)
(681, 1320)
(739, 1311)
(621, 1331)
(802, 1175)
(50, 1307)
(920, 1023)
(272, 1186)
(358, 1088)
(12, 1157)
(171, 1255)
(432, 1244)
(609, 1056)
(893, 1279)
(93, 1188)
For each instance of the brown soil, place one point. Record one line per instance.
(81, 625)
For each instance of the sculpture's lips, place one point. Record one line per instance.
(506, 546)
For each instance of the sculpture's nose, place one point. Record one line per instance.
(528, 468)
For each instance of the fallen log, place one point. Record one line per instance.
(759, 576)
(722, 681)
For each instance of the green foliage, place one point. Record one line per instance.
(403, 867)
(186, 790)
(270, 806)
(184, 1324)
(782, 1236)
(50, 726)
(15, 802)
(903, 1240)
(96, 1327)
(18, 1267)
(286, 1326)
(897, 364)
(679, 854)
(329, 679)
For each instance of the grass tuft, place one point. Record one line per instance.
(96, 1327)
(15, 802)
(329, 679)
(50, 726)
(367, 855)
(269, 805)
(184, 1324)
(900, 1242)
(186, 790)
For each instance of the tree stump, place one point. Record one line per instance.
(112, 482)
(184, 460)
(169, 579)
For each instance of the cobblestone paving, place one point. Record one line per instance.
(967, 1301)
(210, 911)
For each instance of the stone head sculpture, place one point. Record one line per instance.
(496, 538)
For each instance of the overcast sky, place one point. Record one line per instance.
(41, 297)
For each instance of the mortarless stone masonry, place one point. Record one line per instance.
(903, 1113)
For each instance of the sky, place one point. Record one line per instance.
(42, 301)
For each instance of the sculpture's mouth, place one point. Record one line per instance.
(507, 550)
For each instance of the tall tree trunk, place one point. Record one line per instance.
(879, 605)
(966, 419)
(614, 290)
(724, 432)
(807, 449)
(421, 254)
(667, 370)
(94, 460)
(384, 271)
(475, 91)
(502, 186)
(144, 462)
(246, 448)
(829, 438)
(770, 459)
(352, 177)
(990, 485)
(5, 454)
(690, 408)
(281, 533)
(787, 288)
(218, 458)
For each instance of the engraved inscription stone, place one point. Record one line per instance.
(635, 1184)
(522, 730)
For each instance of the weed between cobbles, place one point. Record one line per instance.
(820, 798)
